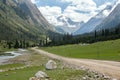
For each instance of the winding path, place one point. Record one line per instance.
(110, 68)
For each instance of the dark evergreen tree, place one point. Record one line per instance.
(103, 32)
(21, 44)
(16, 44)
(95, 34)
(27, 44)
(106, 32)
(117, 30)
(9, 45)
(24, 44)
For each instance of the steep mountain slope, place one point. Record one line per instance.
(20, 19)
(94, 21)
(111, 21)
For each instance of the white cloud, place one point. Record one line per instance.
(103, 6)
(82, 4)
(78, 1)
(33, 1)
(75, 16)
(50, 11)
(72, 11)
(51, 14)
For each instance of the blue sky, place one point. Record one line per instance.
(77, 10)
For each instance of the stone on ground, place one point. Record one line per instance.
(50, 65)
(41, 74)
(34, 78)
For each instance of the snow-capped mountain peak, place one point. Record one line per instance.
(69, 25)
(96, 20)
(106, 11)
(112, 20)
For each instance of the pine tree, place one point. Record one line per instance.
(95, 34)
(16, 44)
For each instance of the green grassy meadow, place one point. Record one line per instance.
(107, 50)
(37, 63)
(8, 66)
(25, 74)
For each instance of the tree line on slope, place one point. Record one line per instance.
(101, 35)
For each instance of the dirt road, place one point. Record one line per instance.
(110, 68)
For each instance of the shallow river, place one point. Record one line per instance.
(15, 53)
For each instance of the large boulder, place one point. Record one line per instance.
(40, 74)
(50, 65)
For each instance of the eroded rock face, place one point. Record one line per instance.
(50, 65)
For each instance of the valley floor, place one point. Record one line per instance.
(26, 65)
(110, 68)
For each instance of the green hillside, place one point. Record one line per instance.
(18, 21)
(107, 50)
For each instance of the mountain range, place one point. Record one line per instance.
(111, 21)
(21, 19)
(99, 21)
(69, 26)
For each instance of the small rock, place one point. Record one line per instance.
(84, 78)
(34, 78)
(41, 74)
(1, 70)
(114, 79)
(106, 77)
(51, 65)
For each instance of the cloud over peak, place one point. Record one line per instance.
(77, 10)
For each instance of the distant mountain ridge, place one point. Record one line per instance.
(91, 24)
(111, 21)
(69, 26)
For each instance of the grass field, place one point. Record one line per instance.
(37, 63)
(107, 50)
(25, 74)
(11, 66)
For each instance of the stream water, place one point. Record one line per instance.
(14, 53)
